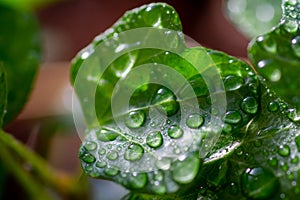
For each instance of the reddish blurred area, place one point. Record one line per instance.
(70, 25)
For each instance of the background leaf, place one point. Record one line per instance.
(253, 17)
(276, 54)
(20, 55)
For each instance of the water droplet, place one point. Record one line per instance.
(106, 135)
(158, 176)
(185, 171)
(111, 171)
(154, 139)
(88, 158)
(269, 44)
(163, 163)
(134, 152)
(284, 150)
(233, 82)
(194, 121)
(273, 106)
(135, 119)
(137, 181)
(175, 132)
(295, 160)
(273, 162)
(296, 45)
(297, 140)
(284, 167)
(233, 117)
(112, 155)
(233, 188)
(249, 105)
(159, 188)
(102, 151)
(90, 145)
(166, 100)
(258, 183)
(101, 164)
(291, 26)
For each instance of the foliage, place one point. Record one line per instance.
(256, 155)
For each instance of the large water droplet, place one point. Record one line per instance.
(259, 183)
(296, 45)
(269, 44)
(185, 171)
(175, 132)
(106, 135)
(88, 158)
(291, 26)
(284, 150)
(137, 181)
(159, 188)
(163, 163)
(90, 145)
(154, 139)
(233, 117)
(233, 82)
(135, 119)
(111, 171)
(134, 152)
(249, 105)
(273, 106)
(194, 121)
(101, 164)
(167, 101)
(112, 155)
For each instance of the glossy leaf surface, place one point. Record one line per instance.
(20, 56)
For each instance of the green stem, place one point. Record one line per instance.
(37, 164)
(35, 190)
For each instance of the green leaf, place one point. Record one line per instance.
(266, 164)
(26, 4)
(155, 112)
(253, 17)
(20, 55)
(276, 54)
(3, 94)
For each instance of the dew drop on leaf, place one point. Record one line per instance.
(101, 164)
(167, 100)
(273, 162)
(273, 106)
(112, 155)
(259, 183)
(163, 163)
(106, 135)
(249, 105)
(284, 150)
(87, 157)
(134, 152)
(102, 151)
(194, 121)
(175, 132)
(137, 181)
(233, 82)
(111, 171)
(154, 139)
(135, 119)
(185, 171)
(291, 26)
(233, 117)
(159, 188)
(90, 145)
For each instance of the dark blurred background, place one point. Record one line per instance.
(70, 25)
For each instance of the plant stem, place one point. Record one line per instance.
(34, 189)
(58, 181)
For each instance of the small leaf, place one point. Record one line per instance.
(20, 55)
(276, 54)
